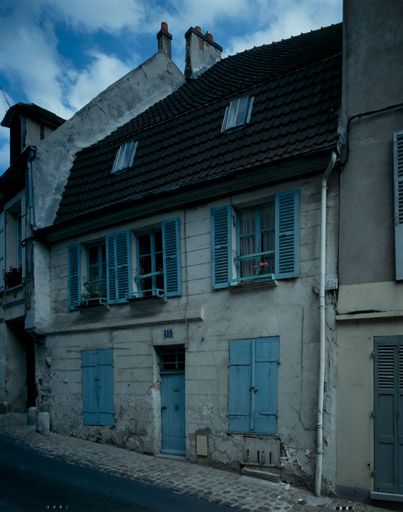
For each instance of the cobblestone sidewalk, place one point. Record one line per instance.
(224, 487)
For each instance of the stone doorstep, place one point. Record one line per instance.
(263, 474)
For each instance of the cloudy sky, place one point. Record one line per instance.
(61, 53)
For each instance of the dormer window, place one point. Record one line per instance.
(238, 113)
(125, 156)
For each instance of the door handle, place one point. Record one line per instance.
(176, 407)
(164, 408)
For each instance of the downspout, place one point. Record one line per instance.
(31, 188)
(322, 319)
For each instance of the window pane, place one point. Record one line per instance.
(158, 241)
(247, 245)
(242, 111)
(268, 240)
(144, 244)
(267, 216)
(145, 265)
(247, 222)
(249, 267)
(232, 114)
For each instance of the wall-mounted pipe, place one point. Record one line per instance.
(31, 157)
(322, 320)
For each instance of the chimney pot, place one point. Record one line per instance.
(164, 40)
(198, 29)
(209, 35)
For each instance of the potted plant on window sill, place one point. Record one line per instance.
(91, 299)
(12, 277)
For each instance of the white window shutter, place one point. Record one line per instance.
(398, 201)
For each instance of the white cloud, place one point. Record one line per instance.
(286, 19)
(103, 71)
(4, 150)
(93, 15)
(4, 134)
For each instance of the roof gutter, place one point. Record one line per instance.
(322, 324)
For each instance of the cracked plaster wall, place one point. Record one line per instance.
(203, 321)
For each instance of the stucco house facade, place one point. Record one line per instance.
(184, 267)
(215, 264)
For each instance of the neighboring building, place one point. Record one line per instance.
(28, 124)
(370, 302)
(29, 195)
(183, 315)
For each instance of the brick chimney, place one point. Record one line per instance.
(201, 51)
(164, 40)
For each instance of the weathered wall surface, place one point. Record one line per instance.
(16, 389)
(370, 301)
(122, 101)
(203, 321)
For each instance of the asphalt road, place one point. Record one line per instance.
(32, 482)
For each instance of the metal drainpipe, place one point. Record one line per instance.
(31, 191)
(322, 340)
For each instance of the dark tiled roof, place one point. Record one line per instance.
(297, 88)
(33, 111)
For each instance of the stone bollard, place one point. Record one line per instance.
(31, 419)
(43, 423)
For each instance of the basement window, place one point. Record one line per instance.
(125, 156)
(237, 114)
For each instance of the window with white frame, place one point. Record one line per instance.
(125, 156)
(262, 246)
(238, 113)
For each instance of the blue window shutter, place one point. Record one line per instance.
(118, 275)
(172, 257)
(287, 234)
(221, 246)
(253, 385)
(240, 374)
(398, 201)
(123, 264)
(2, 248)
(90, 384)
(74, 257)
(110, 269)
(105, 383)
(266, 385)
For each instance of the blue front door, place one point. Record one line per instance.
(173, 413)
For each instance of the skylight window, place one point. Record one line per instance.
(237, 113)
(125, 156)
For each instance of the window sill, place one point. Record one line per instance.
(98, 302)
(159, 299)
(252, 284)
